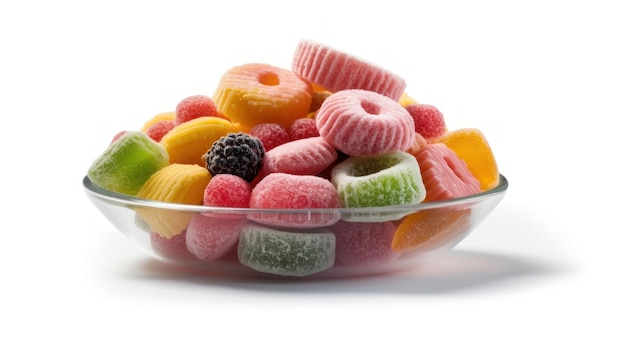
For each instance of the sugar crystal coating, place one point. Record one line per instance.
(127, 163)
(361, 243)
(227, 190)
(429, 121)
(303, 128)
(287, 253)
(302, 156)
(444, 174)
(387, 180)
(270, 134)
(365, 123)
(336, 70)
(195, 106)
(211, 237)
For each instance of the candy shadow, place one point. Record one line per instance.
(452, 272)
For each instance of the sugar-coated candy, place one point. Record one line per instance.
(270, 134)
(127, 163)
(227, 190)
(471, 145)
(176, 183)
(290, 191)
(256, 93)
(387, 180)
(163, 116)
(444, 174)
(210, 237)
(188, 142)
(159, 129)
(335, 70)
(431, 229)
(359, 243)
(303, 128)
(174, 248)
(309, 156)
(239, 154)
(365, 123)
(286, 253)
(195, 106)
(429, 121)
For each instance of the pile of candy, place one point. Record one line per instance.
(334, 131)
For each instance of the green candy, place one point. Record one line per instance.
(286, 253)
(379, 181)
(127, 163)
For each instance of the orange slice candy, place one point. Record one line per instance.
(471, 146)
(430, 229)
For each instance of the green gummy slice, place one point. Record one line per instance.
(286, 253)
(127, 163)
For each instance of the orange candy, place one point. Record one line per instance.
(256, 93)
(472, 147)
(430, 229)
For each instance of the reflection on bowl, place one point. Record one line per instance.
(341, 242)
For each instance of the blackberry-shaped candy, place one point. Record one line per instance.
(236, 153)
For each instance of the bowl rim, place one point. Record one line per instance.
(133, 201)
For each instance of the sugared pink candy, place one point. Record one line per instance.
(429, 121)
(270, 134)
(227, 190)
(289, 191)
(195, 106)
(303, 128)
(308, 156)
(159, 129)
(364, 242)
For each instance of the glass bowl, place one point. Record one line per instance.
(313, 243)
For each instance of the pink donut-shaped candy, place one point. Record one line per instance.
(335, 70)
(364, 123)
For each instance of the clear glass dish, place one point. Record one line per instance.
(310, 243)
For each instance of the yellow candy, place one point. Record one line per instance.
(177, 183)
(406, 100)
(188, 142)
(472, 147)
(165, 116)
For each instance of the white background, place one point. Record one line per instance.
(544, 80)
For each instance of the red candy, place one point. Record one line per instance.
(195, 106)
(227, 190)
(270, 134)
(173, 248)
(209, 238)
(159, 129)
(364, 242)
(428, 119)
(303, 128)
(285, 191)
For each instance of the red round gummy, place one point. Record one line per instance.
(303, 128)
(195, 106)
(159, 129)
(428, 119)
(227, 190)
(270, 134)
